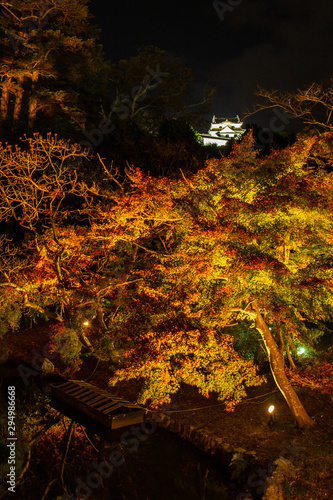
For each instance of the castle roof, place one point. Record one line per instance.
(215, 119)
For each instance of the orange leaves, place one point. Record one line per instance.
(318, 377)
(180, 256)
(165, 358)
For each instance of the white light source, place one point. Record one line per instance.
(301, 350)
(86, 323)
(272, 417)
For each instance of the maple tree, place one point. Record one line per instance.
(167, 267)
(254, 240)
(91, 269)
(317, 377)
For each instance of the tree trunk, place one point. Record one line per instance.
(4, 105)
(17, 104)
(292, 365)
(302, 419)
(280, 342)
(32, 103)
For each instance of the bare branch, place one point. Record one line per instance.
(313, 105)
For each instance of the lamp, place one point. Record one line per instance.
(272, 417)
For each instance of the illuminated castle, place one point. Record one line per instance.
(222, 130)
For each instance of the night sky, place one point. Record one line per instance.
(280, 44)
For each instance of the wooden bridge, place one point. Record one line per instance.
(98, 404)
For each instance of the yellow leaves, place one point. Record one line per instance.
(299, 154)
(43, 258)
(176, 303)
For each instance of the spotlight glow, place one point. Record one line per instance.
(271, 409)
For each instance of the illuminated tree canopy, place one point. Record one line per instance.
(166, 268)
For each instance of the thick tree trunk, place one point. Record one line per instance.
(302, 419)
(17, 104)
(4, 105)
(32, 104)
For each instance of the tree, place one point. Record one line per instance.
(250, 242)
(154, 324)
(167, 267)
(52, 61)
(278, 240)
(76, 271)
(313, 105)
(36, 184)
(153, 86)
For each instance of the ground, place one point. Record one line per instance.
(246, 427)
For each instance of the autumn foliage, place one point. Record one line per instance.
(318, 377)
(164, 268)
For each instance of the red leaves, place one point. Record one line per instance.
(318, 377)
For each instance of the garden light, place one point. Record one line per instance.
(271, 411)
(86, 323)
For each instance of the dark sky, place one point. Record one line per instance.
(276, 44)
